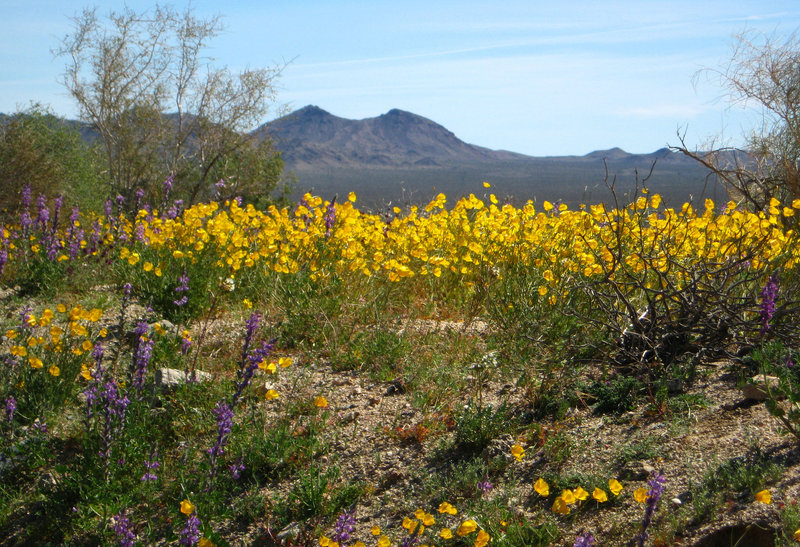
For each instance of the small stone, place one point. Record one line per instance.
(756, 388)
(676, 501)
(636, 471)
(170, 377)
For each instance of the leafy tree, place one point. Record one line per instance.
(763, 74)
(49, 154)
(160, 107)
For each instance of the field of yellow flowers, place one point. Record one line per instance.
(601, 310)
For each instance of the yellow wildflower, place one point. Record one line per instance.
(541, 487)
(187, 507)
(600, 495)
(467, 527)
(764, 497)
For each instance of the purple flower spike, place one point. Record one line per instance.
(150, 466)
(122, 529)
(236, 469)
(345, 526)
(190, 534)
(656, 485)
(585, 539)
(11, 407)
(768, 295)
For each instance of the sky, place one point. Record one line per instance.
(536, 77)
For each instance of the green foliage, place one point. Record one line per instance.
(783, 400)
(316, 495)
(738, 478)
(477, 426)
(616, 395)
(645, 449)
(41, 150)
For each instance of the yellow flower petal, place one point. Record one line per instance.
(541, 487)
(187, 507)
(600, 495)
(467, 527)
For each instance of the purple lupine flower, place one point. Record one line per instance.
(92, 392)
(251, 326)
(410, 541)
(183, 287)
(113, 411)
(224, 415)
(585, 539)
(25, 220)
(142, 353)
(122, 528)
(330, 217)
(95, 237)
(11, 407)
(656, 484)
(108, 210)
(150, 466)
(788, 362)
(139, 196)
(25, 318)
(3, 256)
(43, 216)
(139, 232)
(236, 469)
(485, 486)
(218, 187)
(345, 526)
(190, 534)
(39, 426)
(186, 342)
(26, 196)
(168, 183)
(768, 295)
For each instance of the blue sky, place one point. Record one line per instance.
(536, 77)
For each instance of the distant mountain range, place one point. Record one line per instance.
(401, 157)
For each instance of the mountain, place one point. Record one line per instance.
(311, 136)
(403, 157)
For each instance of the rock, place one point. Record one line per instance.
(636, 471)
(170, 377)
(756, 388)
